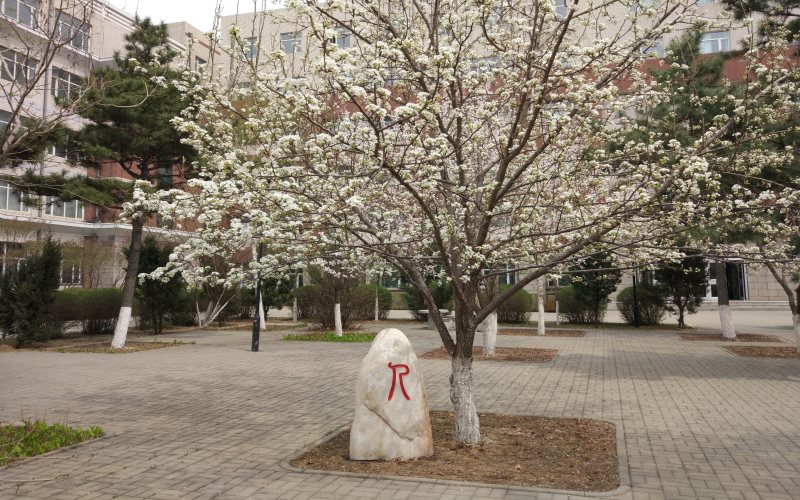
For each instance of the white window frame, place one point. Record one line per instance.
(56, 207)
(10, 192)
(715, 42)
(344, 38)
(74, 31)
(250, 48)
(656, 50)
(5, 119)
(13, 63)
(32, 8)
(65, 85)
(73, 271)
(291, 42)
(560, 7)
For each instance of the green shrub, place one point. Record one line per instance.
(572, 308)
(94, 309)
(316, 301)
(592, 282)
(442, 294)
(384, 301)
(37, 437)
(517, 308)
(652, 305)
(26, 294)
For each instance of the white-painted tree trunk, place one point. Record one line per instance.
(489, 329)
(796, 322)
(468, 428)
(121, 330)
(377, 309)
(337, 318)
(294, 309)
(262, 318)
(726, 323)
(540, 296)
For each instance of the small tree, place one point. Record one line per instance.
(594, 280)
(26, 292)
(158, 297)
(684, 284)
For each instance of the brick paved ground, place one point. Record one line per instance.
(213, 420)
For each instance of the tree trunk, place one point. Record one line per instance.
(468, 428)
(489, 329)
(295, 312)
(540, 303)
(725, 319)
(796, 324)
(681, 323)
(294, 309)
(262, 315)
(131, 274)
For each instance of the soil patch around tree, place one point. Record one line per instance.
(527, 332)
(559, 453)
(752, 351)
(104, 348)
(742, 337)
(500, 354)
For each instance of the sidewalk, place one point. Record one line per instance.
(213, 420)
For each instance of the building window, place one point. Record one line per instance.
(22, 11)
(509, 277)
(70, 273)
(73, 31)
(10, 198)
(714, 42)
(653, 49)
(643, 5)
(58, 150)
(65, 84)
(5, 119)
(343, 38)
(199, 63)
(290, 42)
(11, 254)
(70, 209)
(561, 8)
(250, 48)
(17, 67)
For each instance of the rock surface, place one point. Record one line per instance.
(391, 420)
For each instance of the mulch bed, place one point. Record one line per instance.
(742, 337)
(560, 453)
(764, 352)
(535, 333)
(104, 348)
(500, 354)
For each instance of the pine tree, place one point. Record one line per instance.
(26, 292)
(130, 127)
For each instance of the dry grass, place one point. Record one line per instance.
(560, 453)
(752, 351)
(500, 354)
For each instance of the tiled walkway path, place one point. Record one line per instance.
(213, 420)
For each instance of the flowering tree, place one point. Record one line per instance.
(452, 138)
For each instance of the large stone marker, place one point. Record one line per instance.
(392, 420)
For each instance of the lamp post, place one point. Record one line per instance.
(257, 319)
(636, 318)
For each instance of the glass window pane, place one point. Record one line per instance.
(14, 202)
(3, 195)
(10, 8)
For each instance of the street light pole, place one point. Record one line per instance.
(257, 320)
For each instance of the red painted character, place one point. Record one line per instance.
(395, 376)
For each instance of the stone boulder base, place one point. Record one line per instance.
(392, 420)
